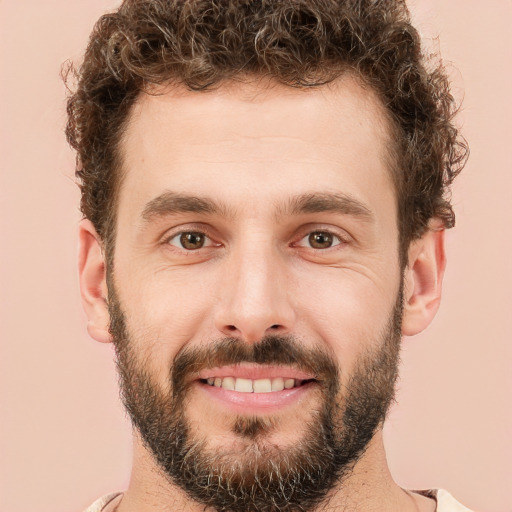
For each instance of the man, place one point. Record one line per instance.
(264, 191)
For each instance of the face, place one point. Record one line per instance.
(255, 294)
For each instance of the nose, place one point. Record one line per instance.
(254, 298)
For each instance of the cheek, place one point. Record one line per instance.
(165, 310)
(347, 312)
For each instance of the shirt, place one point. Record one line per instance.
(445, 502)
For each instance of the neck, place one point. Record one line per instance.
(369, 487)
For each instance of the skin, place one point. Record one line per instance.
(252, 149)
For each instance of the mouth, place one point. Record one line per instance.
(254, 388)
(242, 385)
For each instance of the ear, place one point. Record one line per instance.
(423, 280)
(93, 283)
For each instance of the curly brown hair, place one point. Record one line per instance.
(301, 43)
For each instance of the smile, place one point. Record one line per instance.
(254, 386)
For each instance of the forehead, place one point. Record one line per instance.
(245, 141)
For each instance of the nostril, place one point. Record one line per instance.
(275, 326)
(231, 328)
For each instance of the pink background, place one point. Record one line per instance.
(64, 439)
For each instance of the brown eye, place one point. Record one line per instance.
(320, 240)
(190, 240)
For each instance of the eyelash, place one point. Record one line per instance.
(196, 231)
(179, 235)
(338, 239)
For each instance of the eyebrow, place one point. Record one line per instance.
(327, 202)
(170, 203)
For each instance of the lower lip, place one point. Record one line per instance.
(257, 402)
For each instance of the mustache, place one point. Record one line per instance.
(270, 350)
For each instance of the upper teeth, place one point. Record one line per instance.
(252, 386)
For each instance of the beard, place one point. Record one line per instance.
(260, 476)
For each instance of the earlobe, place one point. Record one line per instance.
(423, 280)
(93, 285)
